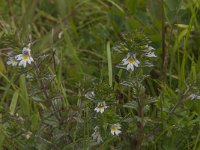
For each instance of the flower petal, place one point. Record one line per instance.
(136, 64)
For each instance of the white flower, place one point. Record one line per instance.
(150, 48)
(193, 96)
(150, 54)
(26, 49)
(131, 62)
(90, 95)
(28, 135)
(100, 107)
(115, 129)
(12, 61)
(96, 135)
(149, 51)
(25, 57)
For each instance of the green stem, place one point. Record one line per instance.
(140, 125)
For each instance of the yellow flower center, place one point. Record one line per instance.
(131, 60)
(25, 57)
(113, 129)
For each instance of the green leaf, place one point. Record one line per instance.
(14, 102)
(2, 66)
(109, 64)
(132, 105)
(24, 99)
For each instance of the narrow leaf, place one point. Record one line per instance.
(14, 102)
(109, 64)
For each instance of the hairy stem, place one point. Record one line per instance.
(165, 52)
(45, 92)
(140, 125)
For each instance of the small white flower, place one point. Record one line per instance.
(28, 135)
(12, 61)
(90, 95)
(131, 62)
(101, 106)
(115, 129)
(150, 48)
(193, 96)
(96, 135)
(149, 51)
(26, 50)
(150, 54)
(25, 57)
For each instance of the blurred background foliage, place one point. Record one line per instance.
(69, 39)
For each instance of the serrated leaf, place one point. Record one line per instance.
(132, 105)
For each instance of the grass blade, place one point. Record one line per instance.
(109, 63)
(14, 102)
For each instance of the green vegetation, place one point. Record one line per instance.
(95, 82)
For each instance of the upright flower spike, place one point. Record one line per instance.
(101, 106)
(130, 61)
(115, 129)
(25, 57)
(96, 135)
(12, 61)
